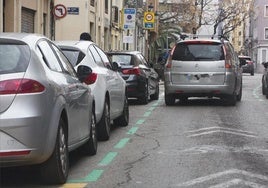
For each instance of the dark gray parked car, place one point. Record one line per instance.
(142, 80)
(246, 64)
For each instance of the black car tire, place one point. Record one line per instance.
(266, 92)
(144, 99)
(104, 126)
(55, 170)
(169, 99)
(231, 100)
(123, 120)
(155, 96)
(252, 73)
(263, 87)
(183, 99)
(239, 96)
(91, 146)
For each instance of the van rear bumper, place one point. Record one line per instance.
(199, 90)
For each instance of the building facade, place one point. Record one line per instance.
(258, 32)
(67, 19)
(31, 16)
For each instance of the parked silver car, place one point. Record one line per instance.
(203, 68)
(108, 87)
(46, 109)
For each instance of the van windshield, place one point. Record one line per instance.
(198, 52)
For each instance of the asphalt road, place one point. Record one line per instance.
(199, 144)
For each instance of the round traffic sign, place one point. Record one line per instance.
(60, 11)
(149, 16)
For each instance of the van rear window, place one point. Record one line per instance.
(198, 52)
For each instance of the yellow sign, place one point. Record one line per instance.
(148, 17)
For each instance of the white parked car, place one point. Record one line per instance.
(109, 88)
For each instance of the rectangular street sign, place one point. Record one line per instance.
(129, 18)
(148, 25)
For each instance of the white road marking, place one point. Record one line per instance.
(220, 131)
(238, 182)
(220, 174)
(212, 130)
(203, 149)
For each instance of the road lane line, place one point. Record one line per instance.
(133, 130)
(151, 108)
(91, 177)
(147, 114)
(121, 143)
(140, 122)
(95, 174)
(108, 159)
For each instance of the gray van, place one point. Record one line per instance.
(203, 68)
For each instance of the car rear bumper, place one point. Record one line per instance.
(22, 141)
(248, 69)
(199, 90)
(135, 89)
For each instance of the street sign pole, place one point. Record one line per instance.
(129, 25)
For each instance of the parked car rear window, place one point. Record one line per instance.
(74, 56)
(198, 52)
(122, 59)
(244, 58)
(13, 58)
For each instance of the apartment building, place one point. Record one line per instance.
(258, 32)
(31, 16)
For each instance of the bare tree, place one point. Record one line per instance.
(231, 15)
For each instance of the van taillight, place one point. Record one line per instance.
(135, 71)
(169, 60)
(168, 65)
(20, 86)
(227, 65)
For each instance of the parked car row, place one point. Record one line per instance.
(46, 108)
(58, 96)
(70, 92)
